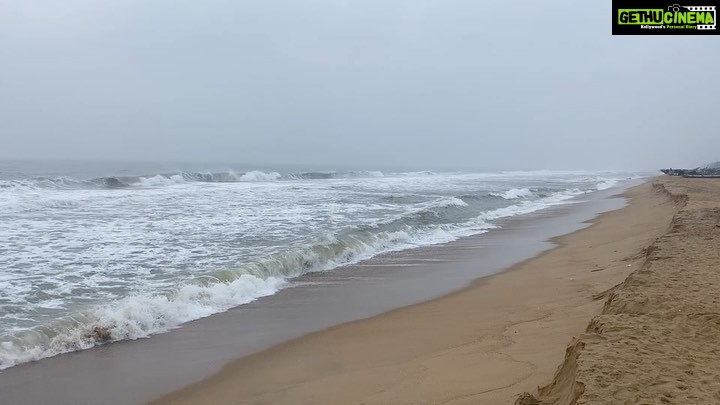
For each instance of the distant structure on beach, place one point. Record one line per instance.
(709, 170)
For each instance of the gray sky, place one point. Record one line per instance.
(530, 84)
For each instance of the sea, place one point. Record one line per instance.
(97, 252)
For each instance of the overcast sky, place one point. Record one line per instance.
(527, 84)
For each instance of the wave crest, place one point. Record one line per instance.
(514, 193)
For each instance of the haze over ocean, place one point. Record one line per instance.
(85, 259)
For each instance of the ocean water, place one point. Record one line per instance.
(94, 253)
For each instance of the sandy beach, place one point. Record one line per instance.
(656, 338)
(486, 344)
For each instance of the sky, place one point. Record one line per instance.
(372, 83)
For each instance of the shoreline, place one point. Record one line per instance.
(137, 371)
(439, 351)
(655, 340)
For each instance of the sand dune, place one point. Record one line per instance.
(656, 341)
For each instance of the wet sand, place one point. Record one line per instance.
(132, 372)
(656, 340)
(485, 344)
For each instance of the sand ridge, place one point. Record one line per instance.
(502, 335)
(656, 341)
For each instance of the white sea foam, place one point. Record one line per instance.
(83, 265)
(160, 180)
(447, 202)
(257, 175)
(514, 193)
(134, 317)
(606, 184)
(373, 173)
(140, 316)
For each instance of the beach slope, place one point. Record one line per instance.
(656, 341)
(500, 336)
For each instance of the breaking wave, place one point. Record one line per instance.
(167, 179)
(514, 193)
(400, 219)
(140, 316)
